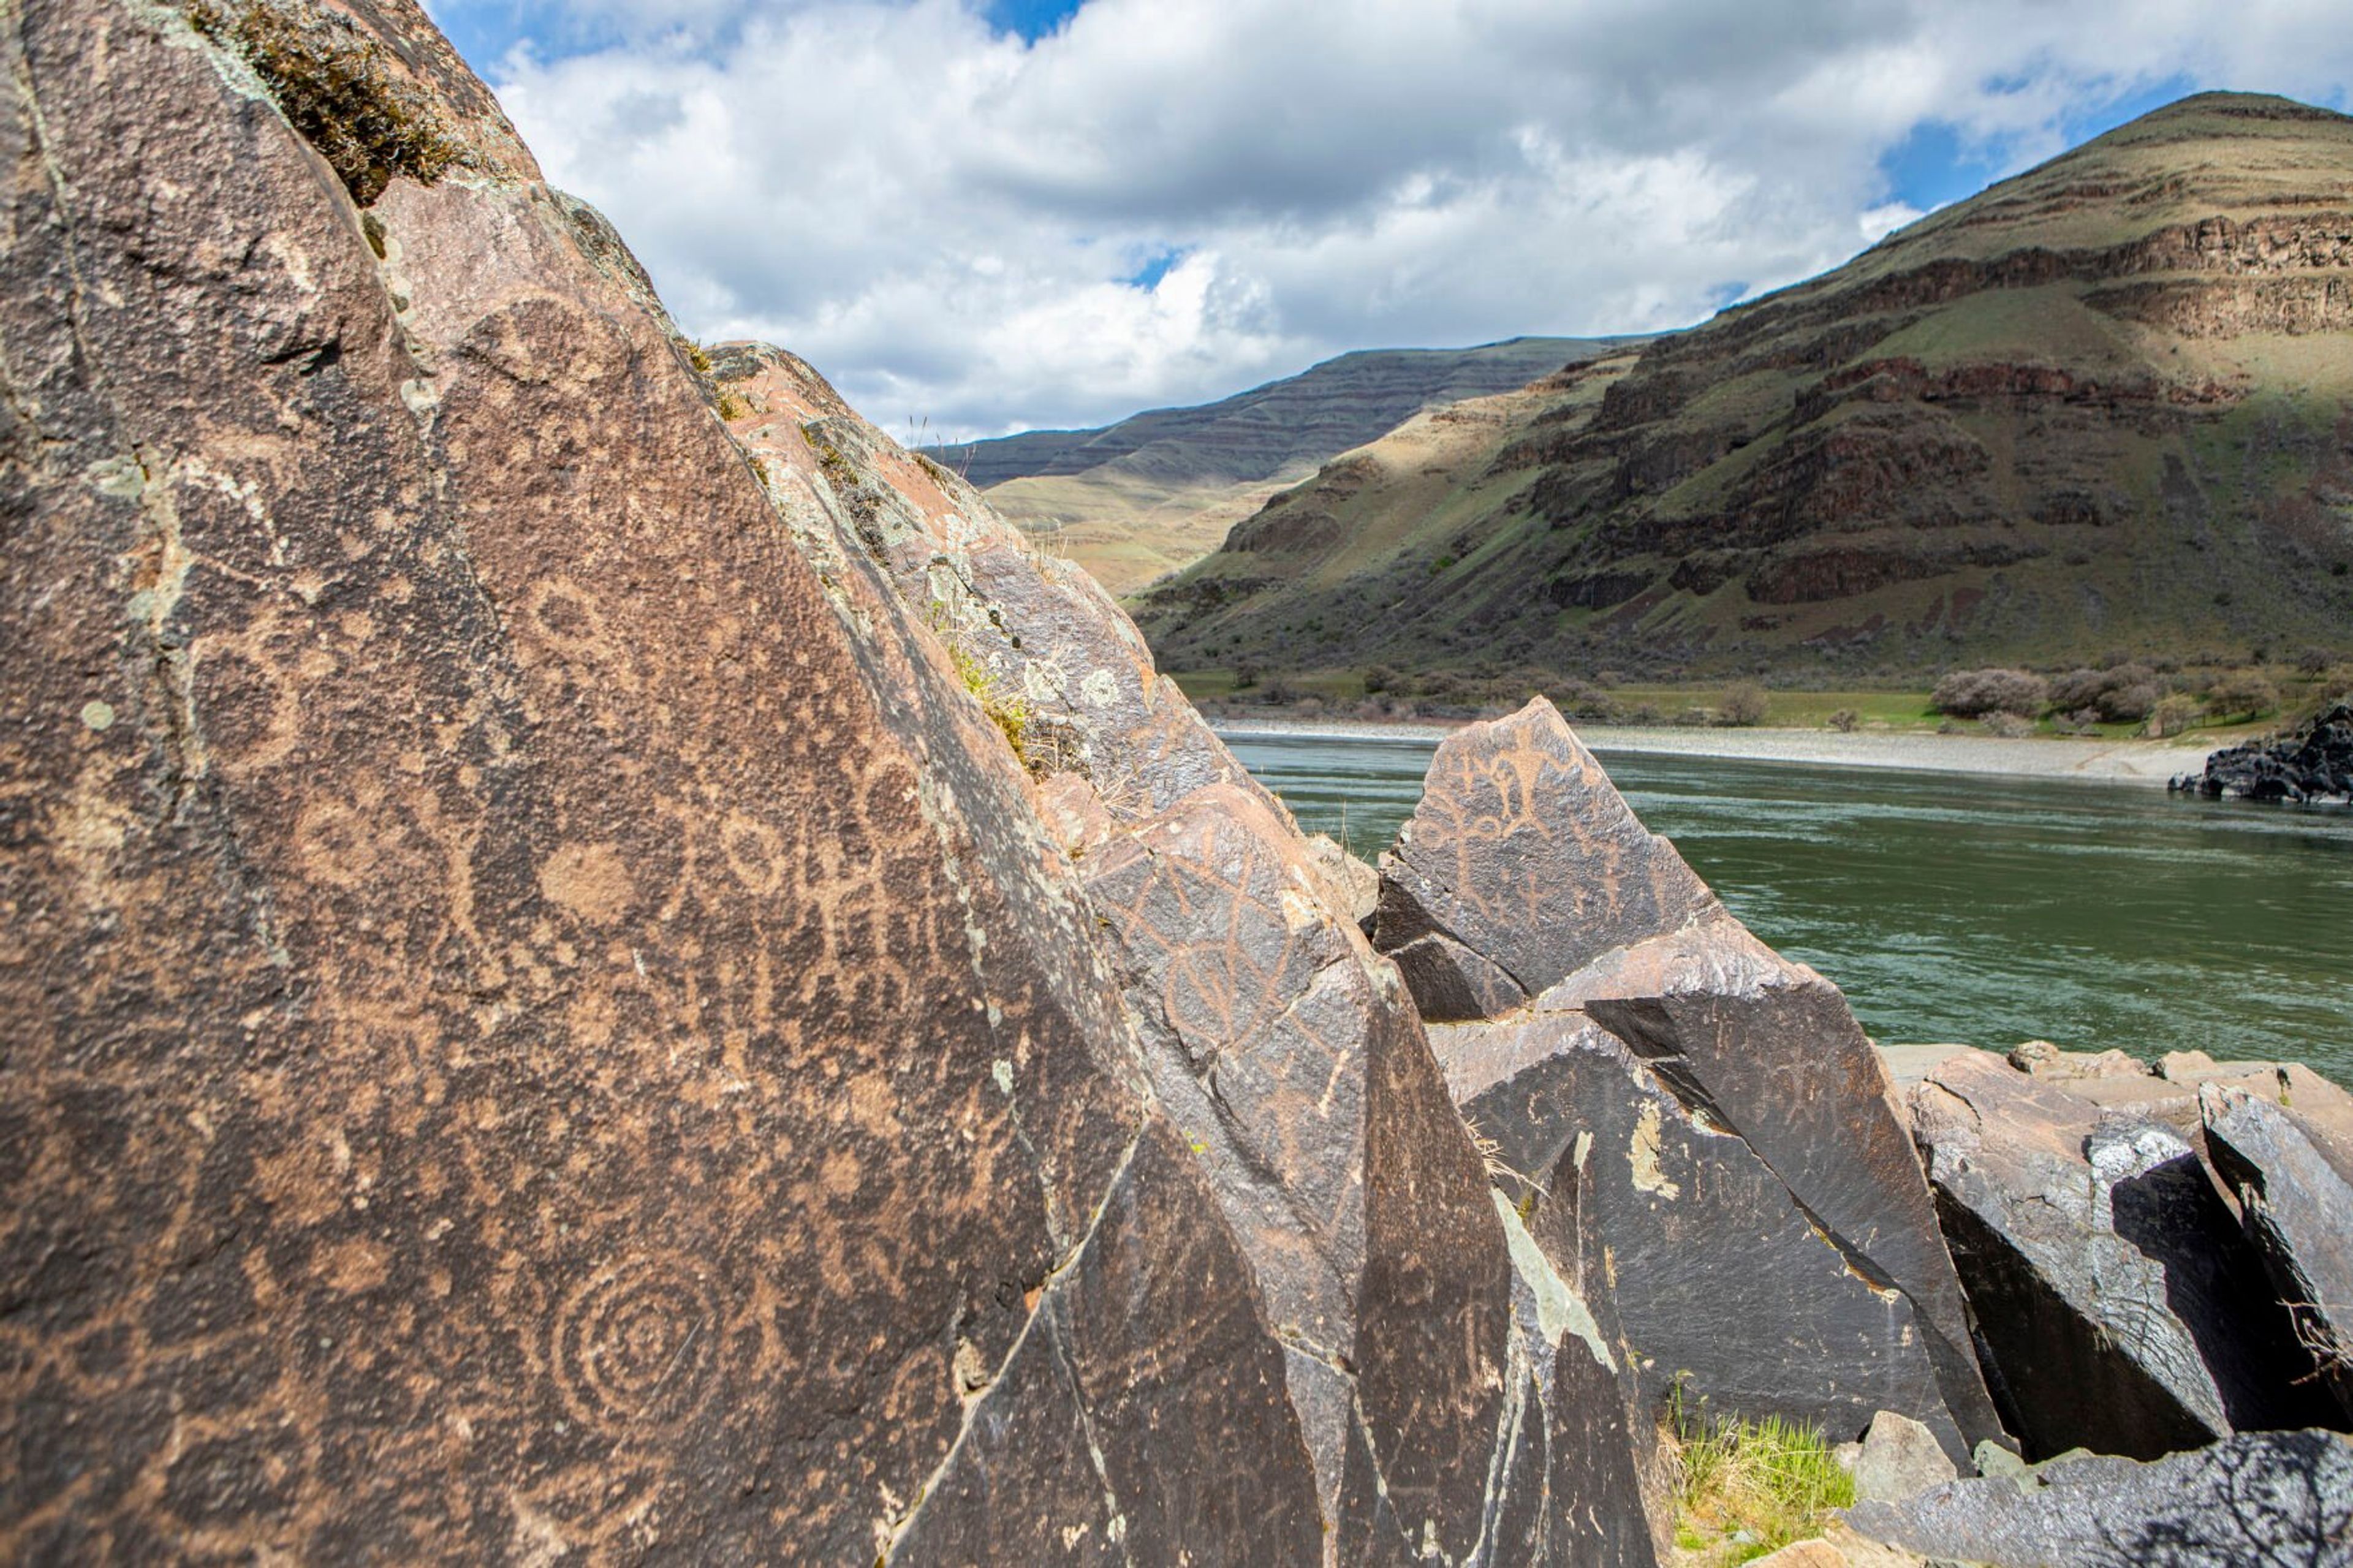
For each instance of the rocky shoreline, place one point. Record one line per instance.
(2309, 766)
(2139, 762)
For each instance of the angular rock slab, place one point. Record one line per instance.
(2254, 1500)
(1768, 1051)
(2121, 1308)
(1297, 1073)
(2298, 1209)
(1522, 865)
(1726, 1288)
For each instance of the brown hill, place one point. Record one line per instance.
(2105, 405)
(1157, 491)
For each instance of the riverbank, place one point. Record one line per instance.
(2146, 763)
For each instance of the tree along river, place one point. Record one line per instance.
(1969, 908)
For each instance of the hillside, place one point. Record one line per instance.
(1134, 501)
(2104, 405)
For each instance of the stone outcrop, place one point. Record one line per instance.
(2259, 1498)
(579, 981)
(2311, 765)
(2120, 1306)
(1293, 1063)
(1521, 865)
(2295, 1199)
(1687, 1114)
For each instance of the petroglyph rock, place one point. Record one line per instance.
(1287, 1057)
(1525, 857)
(524, 1035)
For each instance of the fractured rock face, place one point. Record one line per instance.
(1437, 1418)
(2257, 1499)
(2121, 1308)
(2296, 1204)
(1727, 1290)
(1521, 865)
(1663, 1030)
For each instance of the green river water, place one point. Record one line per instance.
(1962, 907)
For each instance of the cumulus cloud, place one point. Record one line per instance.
(1162, 201)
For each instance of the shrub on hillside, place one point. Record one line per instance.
(1380, 677)
(2174, 712)
(1973, 693)
(1744, 704)
(2009, 726)
(2242, 694)
(2120, 694)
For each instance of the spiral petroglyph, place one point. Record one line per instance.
(635, 1344)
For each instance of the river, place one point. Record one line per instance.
(1969, 908)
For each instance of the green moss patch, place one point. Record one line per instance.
(337, 86)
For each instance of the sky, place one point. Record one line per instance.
(977, 217)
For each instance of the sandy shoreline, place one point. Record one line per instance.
(2147, 763)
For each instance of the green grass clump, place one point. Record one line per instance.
(1749, 1487)
(1009, 714)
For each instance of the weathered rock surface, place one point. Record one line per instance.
(1724, 1284)
(1521, 865)
(1900, 1458)
(2254, 1500)
(2120, 1306)
(1679, 1037)
(544, 1018)
(2296, 1207)
(1290, 1060)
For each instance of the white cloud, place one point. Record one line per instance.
(945, 219)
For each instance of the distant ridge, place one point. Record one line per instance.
(1323, 410)
(1135, 499)
(2106, 405)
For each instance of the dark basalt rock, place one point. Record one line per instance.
(2296, 1204)
(2313, 765)
(1522, 856)
(2119, 1307)
(2263, 1499)
(1723, 1039)
(1725, 1285)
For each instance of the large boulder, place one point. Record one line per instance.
(1441, 1411)
(1733, 1298)
(2120, 1307)
(1525, 900)
(2258, 1499)
(543, 1013)
(1522, 865)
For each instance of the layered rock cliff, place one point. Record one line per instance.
(2103, 406)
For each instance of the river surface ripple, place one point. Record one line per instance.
(1968, 907)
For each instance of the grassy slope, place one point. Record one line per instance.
(2155, 455)
(1135, 500)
